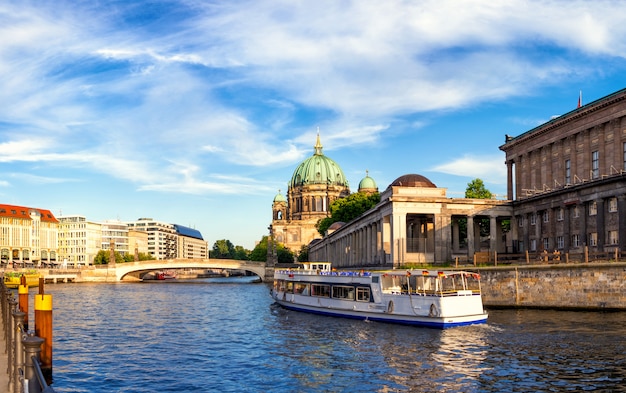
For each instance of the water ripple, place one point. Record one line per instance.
(173, 337)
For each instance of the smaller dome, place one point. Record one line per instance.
(279, 197)
(367, 183)
(336, 225)
(413, 180)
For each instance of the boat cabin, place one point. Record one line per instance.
(317, 266)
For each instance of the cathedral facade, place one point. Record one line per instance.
(314, 185)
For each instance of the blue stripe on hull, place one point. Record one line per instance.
(434, 325)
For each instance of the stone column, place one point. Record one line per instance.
(493, 234)
(455, 235)
(471, 247)
(509, 180)
(600, 224)
(621, 231)
(567, 230)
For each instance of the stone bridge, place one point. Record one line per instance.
(136, 268)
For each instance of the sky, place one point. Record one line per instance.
(197, 112)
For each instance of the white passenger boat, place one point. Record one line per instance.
(430, 298)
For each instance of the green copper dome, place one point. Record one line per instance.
(279, 197)
(367, 183)
(318, 169)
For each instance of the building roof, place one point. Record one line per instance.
(318, 169)
(412, 180)
(280, 197)
(189, 232)
(571, 116)
(23, 212)
(367, 183)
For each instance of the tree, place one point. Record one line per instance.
(260, 252)
(142, 257)
(303, 255)
(223, 249)
(241, 253)
(347, 209)
(476, 189)
(102, 257)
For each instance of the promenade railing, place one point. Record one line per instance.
(485, 258)
(23, 349)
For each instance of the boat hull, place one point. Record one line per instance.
(422, 321)
(429, 322)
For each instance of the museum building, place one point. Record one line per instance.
(566, 192)
(565, 180)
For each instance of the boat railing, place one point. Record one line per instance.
(326, 273)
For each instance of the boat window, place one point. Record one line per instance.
(343, 292)
(362, 294)
(375, 279)
(279, 285)
(320, 290)
(289, 288)
(302, 289)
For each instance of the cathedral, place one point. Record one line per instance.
(315, 184)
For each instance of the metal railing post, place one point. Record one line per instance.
(32, 349)
(10, 340)
(18, 361)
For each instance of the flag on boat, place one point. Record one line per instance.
(425, 272)
(441, 274)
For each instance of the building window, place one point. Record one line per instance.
(613, 237)
(520, 245)
(595, 164)
(560, 242)
(546, 216)
(533, 219)
(546, 243)
(559, 214)
(576, 212)
(575, 240)
(533, 245)
(593, 239)
(593, 208)
(520, 222)
(568, 172)
(613, 205)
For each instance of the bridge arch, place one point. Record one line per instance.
(123, 269)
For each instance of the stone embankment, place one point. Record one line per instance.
(592, 286)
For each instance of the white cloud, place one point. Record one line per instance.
(488, 168)
(127, 102)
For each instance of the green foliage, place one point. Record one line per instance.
(303, 255)
(260, 252)
(476, 189)
(102, 257)
(223, 249)
(241, 254)
(323, 224)
(142, 257)
(347, 209)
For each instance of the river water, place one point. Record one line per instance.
(210, 336)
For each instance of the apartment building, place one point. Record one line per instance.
(27, 235)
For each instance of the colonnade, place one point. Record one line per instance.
(399, 238)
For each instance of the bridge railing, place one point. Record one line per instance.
(23, 349)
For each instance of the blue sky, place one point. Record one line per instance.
(197, 112)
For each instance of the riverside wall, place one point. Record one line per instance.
(595, 286)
